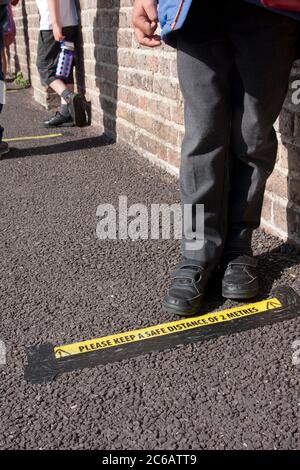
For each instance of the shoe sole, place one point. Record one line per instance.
(182, 313)
(78, 111)
(66, 124)
(239, 295)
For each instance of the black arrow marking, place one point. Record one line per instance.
(61, 353)
(273, 304)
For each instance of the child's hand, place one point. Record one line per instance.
(57, 33)
(145, 21)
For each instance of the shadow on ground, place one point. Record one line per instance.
(61, 147)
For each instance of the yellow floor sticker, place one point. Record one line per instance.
(120, 339)
(33, 137)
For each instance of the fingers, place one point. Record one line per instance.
(151, 11)
(143, 24)
(148, 41)
(59, 37)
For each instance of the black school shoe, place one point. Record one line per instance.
(240, 280)
(59, 121)
(77, 109)
(188, 282)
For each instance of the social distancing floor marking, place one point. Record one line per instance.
(46, 361)
(33, 137)
(144, 334)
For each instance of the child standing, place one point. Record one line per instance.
(59, 22)
(3, 15)
(234, 61)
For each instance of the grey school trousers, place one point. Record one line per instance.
(234, 61)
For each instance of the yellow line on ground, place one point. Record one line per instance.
(164, 329)
(33, 137)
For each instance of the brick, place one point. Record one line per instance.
(293, 225)
(289, 157)
(286, 123)
(278, 184)
(294, 190)
(267, 209)
(280, 216)
(296, 125)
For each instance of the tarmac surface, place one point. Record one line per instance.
(60, 283)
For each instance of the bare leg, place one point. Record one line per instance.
(58, 86)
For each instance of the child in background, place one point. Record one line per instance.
(3, 16)
(9, 34)
(59, 22)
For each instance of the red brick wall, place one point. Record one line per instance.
(281, 213)
(134, 94)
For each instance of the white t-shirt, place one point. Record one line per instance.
(68, 14)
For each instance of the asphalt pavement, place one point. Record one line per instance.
(60, 283)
